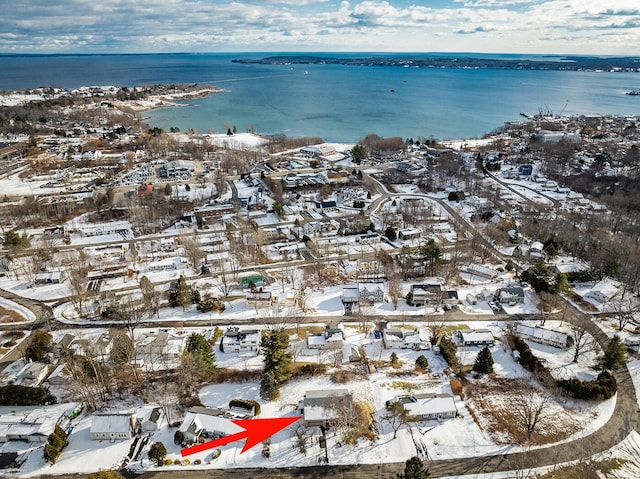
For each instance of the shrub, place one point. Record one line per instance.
(422, 362)
(178, 438)
(197, 462)
(245, 404)
(168, 462)
(310, 369)
(51, 453)
(157, 453)
(456, 386)
(603, 387)
(176, 462)
(343, 376)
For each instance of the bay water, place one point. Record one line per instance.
(336, 102)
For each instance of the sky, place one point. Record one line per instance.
(604, 27)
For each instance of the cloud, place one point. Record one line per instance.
(476, 30)
(272, 25)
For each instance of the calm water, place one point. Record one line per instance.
(339, 103)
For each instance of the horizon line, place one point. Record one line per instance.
(300, 53)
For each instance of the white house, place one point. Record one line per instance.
(320, 406)
(400, 338)
(371, 292)
(31, 424)
(603, 291)
(422, 294)
(236, 340)
(112, 426)
(328, 339)
(424, 407)
(154, 420)
(207, 423)
(475, 337)
(33, 374)
(542, 335)
(511, 296)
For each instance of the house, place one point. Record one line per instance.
(400, 338)
(477, 271)
(425, 407)
(350, 296)
(422, 294)
(59, 376)
(154, 420)
(475, 337)
(603, 291)
(31, 424)
(328, 206)
(50, 277)
(321, 407)
(409, 234)
(511, 296)
(371, 293)
(33, 374)
(236, 340)
(330, 338)
(207, 423)
(112, 426)
(541, 335)
(525, 170)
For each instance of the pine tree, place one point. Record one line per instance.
(277, 362)
(269, 389)
(198, 345)
(422, 362)
(484, 361)
(414, 469)
(614, 355)
(394, 359)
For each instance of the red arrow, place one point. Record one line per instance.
(255, 431)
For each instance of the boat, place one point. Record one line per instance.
(633, 93)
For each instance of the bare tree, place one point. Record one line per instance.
(192, 249)
(396, 416)
(623, 309)
(150, 297)
(583, 342)
(78, 282)
(394, 288)
(531, 408)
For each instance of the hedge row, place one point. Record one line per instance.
(56, 442)
(16, 395)
(603, 387)
(532, 363)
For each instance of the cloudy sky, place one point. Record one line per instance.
(505, 26)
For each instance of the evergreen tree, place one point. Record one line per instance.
(414, 469)
(394, 359)
(484, 361)
(390, 233)
(422, 362)
(277, 362)
(157, 453)
(614, 355)
(269, 389)
(199, 346)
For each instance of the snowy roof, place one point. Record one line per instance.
(31, 420)
(476, 335)
(422, 404)
(199, 421)
(111, 423)
(538, 332)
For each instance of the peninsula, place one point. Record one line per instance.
(569, 63)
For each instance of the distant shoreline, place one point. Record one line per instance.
(566, 63)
